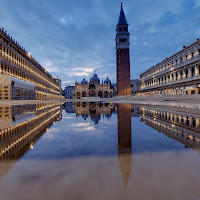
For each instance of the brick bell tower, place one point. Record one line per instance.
(122, 56)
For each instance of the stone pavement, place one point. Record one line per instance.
(182, 101)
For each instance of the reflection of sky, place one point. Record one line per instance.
(74, 137)
(145, 138)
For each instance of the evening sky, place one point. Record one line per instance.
(73, 38)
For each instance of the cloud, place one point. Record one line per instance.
(65, 20)
(197, 3)
(83, 127)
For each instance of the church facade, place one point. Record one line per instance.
(123, 56)
(93, 88)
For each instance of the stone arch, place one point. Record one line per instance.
(100, 104)
(78, 104)
(92, 111)
(92, 93)
(100, 94)
(84, 104)
(105, 94)
(92, 105)
(78, 95)
(84, 94)
(92, 86)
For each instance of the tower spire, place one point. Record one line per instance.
(122, 17)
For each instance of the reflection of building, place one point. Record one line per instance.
(179, 125)
(68, 106)
(123, 57)
(21, 128)
(94, 110)
(178, 74)
(124, 141)
(23, 76)
(94, 88)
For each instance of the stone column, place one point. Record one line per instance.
(174, 76)
(171, 77)
(197, 122)
(189, 72)
(196, 70)
(179, 75)
(184, 74)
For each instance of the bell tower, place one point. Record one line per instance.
(122, 56)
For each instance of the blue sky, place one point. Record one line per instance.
(72, 38)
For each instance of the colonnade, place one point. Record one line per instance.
(179, 74)
(17, 63)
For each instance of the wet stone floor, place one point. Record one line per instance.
(98, 151)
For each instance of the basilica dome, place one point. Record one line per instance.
(84, 82)
(107, 81)
(95, 79)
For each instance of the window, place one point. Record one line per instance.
(125, 29)
(131, 85)
(186, 57)
(186, 72)
(199, 51)
(192, 54)
(193, 71)
(122, 39)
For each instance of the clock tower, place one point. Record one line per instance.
(122, 56)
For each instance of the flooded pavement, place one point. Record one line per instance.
(98, 150)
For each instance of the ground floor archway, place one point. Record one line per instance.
(105, 94)
(92, 93)
(84, 94)
(100, 94)
(78, 95)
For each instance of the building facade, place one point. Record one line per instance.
(94, 88)
(68, 92)
(176, 75)
(122, 56)
(135, 87)
(16, 62)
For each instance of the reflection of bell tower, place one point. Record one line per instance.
(122, 56)
(124, 141)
